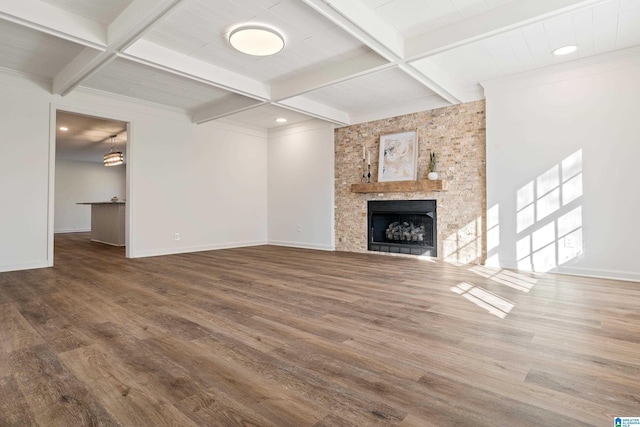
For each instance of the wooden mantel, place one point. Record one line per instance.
(422, 186)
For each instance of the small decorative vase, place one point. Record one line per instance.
(432, 176)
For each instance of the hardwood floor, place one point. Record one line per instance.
(272, 336)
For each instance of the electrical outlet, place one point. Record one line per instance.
(177, 237)
(569, 241)
(299, 228)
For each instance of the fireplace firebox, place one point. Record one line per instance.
(402, 226)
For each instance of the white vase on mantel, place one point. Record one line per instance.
(432, 176)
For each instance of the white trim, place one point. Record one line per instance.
(51, 192)
(428, 103)
(72, 230)
(490, 23)
(592, 65)
(129, 197)
(11, 78)
(332, 206)
(312, 108)
(106, 243)
(133, 101)
(598, 274)
(203, 248)
(56, 22)
(181, 64)
(228, 125)
(302, 245)
(85, 110)
(24, 266)
(301, 127)
(580, 272)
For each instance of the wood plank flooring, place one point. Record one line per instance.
(272, 336)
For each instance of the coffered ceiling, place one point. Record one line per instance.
(345, 61)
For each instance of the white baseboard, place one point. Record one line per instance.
(599, 274)
(302, 245)
(182, 250)
(72, 230)
(25, 266)
(583, 272)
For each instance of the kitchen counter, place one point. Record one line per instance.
(107, 222)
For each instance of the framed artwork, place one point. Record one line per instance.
(398, 157)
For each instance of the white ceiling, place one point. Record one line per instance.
(102, 11)
(345, 61)
(88, 138)
(414, 17)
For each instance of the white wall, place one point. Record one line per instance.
(562, 157)
(78, 181)
(207, 182)
(301, 185)
(24, 168)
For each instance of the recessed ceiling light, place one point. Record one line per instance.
(281, 120)
(63, 128)
(256, 40)
(565, 50)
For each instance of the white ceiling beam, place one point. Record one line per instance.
(43, 17)
(433, 77)
(87, 62)
(315, 109)
(135, 20)
(327, 75)
(227, 106)
(187, 66)
(362, 23)
(423, 104)
(178, 63)
(513, 15)
(130, 25)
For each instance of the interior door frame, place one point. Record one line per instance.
(129, 196)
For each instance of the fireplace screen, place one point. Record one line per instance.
(403, 226)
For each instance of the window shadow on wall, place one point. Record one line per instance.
(549, 217)
(465, 245)
(549, 234)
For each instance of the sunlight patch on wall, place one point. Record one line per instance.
(493, 227)
(493, 236)
(465, 245)
(547, 193)
(571, 190)
(526, 215)
(570, 235)
(493, 303)
(549, 217)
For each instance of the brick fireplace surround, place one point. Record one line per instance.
(458, 135)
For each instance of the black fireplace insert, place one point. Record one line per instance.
(402, 226)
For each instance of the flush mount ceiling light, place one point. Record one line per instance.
(113, 157)
(256, 40)
(565, 50)
(281, 120)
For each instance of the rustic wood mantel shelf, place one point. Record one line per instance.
(424, 185)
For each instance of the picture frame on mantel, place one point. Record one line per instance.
(398, 157)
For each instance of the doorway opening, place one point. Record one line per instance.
(89, 196)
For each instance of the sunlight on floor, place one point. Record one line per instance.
(509, 278)
(548, 221)
(493, 303)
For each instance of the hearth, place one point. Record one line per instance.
(402, 226)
